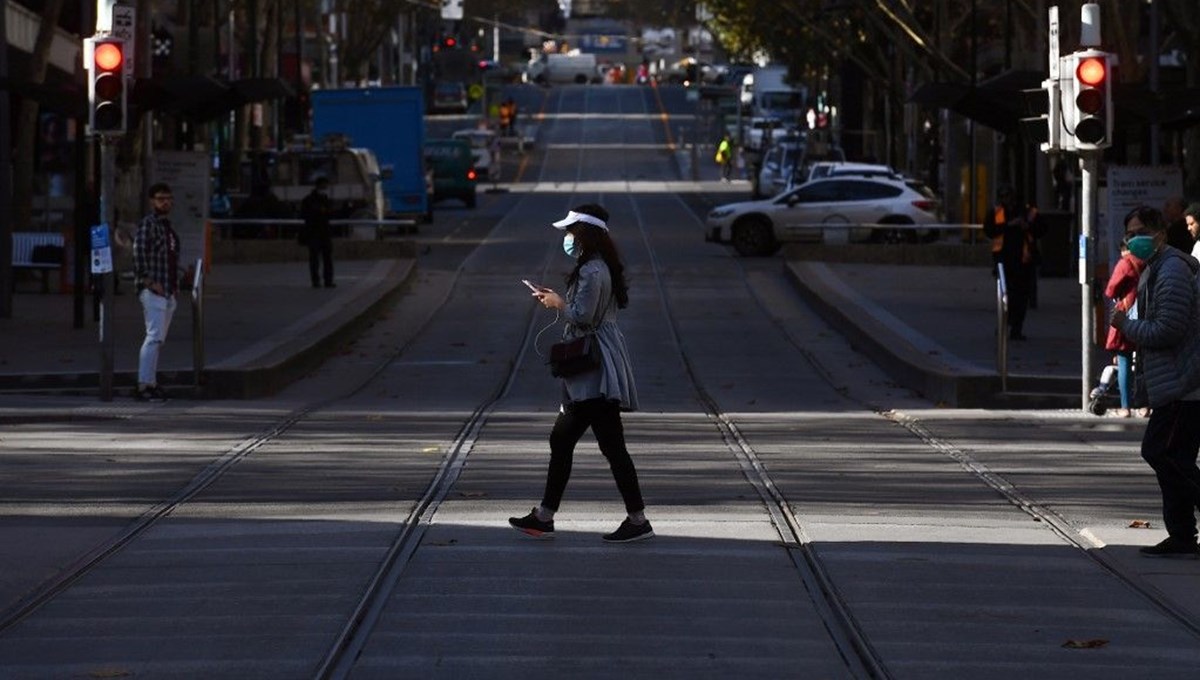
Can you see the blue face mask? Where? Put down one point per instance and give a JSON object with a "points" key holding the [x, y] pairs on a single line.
{"points": [[1142, 247], [569, 246]]}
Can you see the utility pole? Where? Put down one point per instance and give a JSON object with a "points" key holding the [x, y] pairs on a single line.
{"points": [[6, 225], [1080, 120]]}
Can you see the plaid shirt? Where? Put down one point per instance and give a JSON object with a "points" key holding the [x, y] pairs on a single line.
{"points": [[156, 253]]}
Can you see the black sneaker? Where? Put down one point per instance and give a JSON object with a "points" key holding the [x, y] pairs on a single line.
{"points": [[629, 532], [530, 525], [150, 393], [1172, 547]]}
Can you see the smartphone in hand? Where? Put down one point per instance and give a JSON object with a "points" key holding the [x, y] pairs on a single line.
{"points": [[536, 289]]}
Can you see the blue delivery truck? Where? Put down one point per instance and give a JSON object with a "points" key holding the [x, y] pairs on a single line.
{"points": [[390, 122]]}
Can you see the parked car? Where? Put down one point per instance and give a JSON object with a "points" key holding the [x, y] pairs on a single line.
{"points": [[449, 97], [759, 227], [483, 150], [454, 174]]}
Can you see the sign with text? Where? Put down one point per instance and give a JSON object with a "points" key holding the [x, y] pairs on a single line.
{"points": [[102, 261], [452, 9], [124, 26], [1130, 186], [187, 174]]}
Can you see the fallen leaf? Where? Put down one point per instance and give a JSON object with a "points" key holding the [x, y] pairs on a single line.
{"points": [[1139, 524], [1095, 643], [473, 494], [451, 541]]}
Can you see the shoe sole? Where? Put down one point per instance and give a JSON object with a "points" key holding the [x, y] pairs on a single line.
{"points": [[639, 537], [534, 533]]}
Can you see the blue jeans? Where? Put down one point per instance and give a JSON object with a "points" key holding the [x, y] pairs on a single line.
{"points": [[157, 312], [1124, 363], [1170, 446]]}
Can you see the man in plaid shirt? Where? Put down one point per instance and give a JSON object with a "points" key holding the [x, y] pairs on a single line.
{"points": [[156, 263]]}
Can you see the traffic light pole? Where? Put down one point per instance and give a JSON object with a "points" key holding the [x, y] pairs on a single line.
{"points": [[1089, 164], [106, 280]]}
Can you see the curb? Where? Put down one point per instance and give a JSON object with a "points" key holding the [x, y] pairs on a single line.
{"points": [[910, 358]]}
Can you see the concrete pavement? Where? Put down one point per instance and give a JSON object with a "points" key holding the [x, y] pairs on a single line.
{"points": [[263, 326]]}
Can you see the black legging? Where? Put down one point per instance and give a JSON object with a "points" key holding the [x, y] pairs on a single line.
{"points": [[604, 417]]}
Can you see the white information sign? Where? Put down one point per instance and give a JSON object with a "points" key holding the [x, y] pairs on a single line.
{"points": [[1130, 186], [452, 9], [124, 26], [187, 174]]}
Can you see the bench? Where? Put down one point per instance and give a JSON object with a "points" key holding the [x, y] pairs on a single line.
{"points": [[49, 257]]}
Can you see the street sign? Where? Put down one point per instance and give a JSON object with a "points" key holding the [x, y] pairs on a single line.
{"points": [[102, 262], [452, 9], [124, 26]]}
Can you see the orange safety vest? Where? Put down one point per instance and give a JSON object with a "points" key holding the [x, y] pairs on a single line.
{"points": [[998, 240]]}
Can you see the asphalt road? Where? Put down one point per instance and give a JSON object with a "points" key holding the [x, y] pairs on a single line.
{"points": [[813, 519]]}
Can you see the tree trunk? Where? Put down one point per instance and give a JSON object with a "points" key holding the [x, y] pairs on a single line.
{"points": [[26, 125]]}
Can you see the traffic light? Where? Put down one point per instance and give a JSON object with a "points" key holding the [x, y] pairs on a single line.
{"points": [[1093, 100], [106, 84]]}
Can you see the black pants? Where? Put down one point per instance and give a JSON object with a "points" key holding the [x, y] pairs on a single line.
{"points": [[604, 417], [1018, 280], [1170, 445], [322, 250]]}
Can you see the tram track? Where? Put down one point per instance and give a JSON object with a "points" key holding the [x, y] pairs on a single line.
{"points": [[857, 651], [439, 485]]}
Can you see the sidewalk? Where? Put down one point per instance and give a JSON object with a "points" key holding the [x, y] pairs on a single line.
{"points": [[933, 329], [264, 326]]}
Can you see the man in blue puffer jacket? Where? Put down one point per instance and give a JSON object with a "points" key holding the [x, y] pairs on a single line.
{"points": [[1167, 335]]}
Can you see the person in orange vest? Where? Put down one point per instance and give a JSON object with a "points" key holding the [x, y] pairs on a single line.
{"points": [[1014, 232], [508, 113]]}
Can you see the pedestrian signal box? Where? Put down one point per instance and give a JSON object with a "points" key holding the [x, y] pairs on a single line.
{"points": [[105, 63]]}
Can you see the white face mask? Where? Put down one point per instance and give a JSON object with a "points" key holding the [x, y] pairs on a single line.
{"points": [[569, 245]]}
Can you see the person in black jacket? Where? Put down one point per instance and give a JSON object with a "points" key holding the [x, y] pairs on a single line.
{"points": [[317, 209], [1015, 231]]}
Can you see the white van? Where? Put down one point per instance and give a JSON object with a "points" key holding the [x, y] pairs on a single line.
{"points": [[555, 68]]}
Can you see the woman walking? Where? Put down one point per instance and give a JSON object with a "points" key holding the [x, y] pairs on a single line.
{"points": [[594, 399]]}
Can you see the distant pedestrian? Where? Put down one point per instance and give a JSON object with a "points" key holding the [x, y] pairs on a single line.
{"points": [[508, 117], [1167, 335], [596, 288], [1191, 217], [317, 210], [156, 266], [1015, 229], [1177, 231], [724, 157], [1122, 290]]}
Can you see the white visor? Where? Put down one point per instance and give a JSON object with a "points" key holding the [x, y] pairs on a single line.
{"points": [[573, 217]]}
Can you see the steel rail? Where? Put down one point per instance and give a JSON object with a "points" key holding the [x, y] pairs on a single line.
{"points": [[339, 659], [855, 648]]}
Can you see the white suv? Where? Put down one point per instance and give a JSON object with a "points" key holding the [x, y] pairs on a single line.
{"points": [[830, 209]]}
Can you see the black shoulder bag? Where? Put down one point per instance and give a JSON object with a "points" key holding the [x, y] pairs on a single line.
{"points": [[576, 356]]}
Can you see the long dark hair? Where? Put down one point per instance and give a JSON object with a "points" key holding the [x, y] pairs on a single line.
{"points": [[593, 242]]}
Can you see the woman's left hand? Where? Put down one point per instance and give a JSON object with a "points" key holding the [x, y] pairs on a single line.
{"points": [[550, 299]]}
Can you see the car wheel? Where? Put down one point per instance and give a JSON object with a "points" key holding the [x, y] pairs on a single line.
{"points": [[580, 79], [753, 237], [894, 235]]}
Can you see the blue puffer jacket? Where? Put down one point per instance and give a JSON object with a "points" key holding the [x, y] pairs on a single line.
{"points": [[1167, 330]]}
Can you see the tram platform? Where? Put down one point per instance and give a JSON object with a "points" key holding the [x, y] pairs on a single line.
{"points": [[264, 325]]}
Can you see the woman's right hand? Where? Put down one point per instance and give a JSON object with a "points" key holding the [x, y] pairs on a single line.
{"points": [[550, 299]]}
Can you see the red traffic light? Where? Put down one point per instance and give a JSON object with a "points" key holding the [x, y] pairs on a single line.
{"points": [[1091, 71], [108, 57], [451, 42]]}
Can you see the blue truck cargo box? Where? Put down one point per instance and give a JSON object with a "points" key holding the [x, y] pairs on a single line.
{"points": [[390, 121]]}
